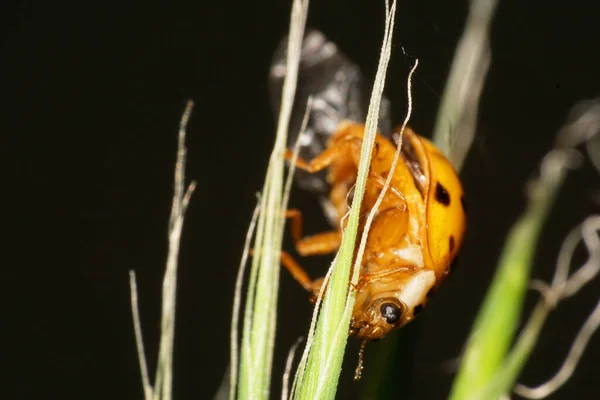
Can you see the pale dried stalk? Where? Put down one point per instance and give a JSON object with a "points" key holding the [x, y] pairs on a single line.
{"points": [[139, 339], [163, 388], [164, 373], [455, 126]]}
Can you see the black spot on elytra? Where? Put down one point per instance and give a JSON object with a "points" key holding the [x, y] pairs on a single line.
{"points": [[451, 243], [442, 195], [463, 202], [417, 309]]}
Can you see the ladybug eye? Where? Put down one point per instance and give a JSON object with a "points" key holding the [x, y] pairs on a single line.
{"points": [[391, 313]]}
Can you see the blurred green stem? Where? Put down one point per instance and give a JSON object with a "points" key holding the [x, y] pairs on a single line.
{"points": [[498, 318]]}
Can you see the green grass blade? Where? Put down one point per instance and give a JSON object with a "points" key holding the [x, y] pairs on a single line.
{"points": [[501, 370], [319, 371], [259, 326]]}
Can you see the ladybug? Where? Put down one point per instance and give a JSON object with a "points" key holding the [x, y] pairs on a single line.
{"points": [[419, 227], [415, 236]]}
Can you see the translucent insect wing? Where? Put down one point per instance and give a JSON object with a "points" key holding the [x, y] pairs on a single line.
{"points": [[339, 93]]}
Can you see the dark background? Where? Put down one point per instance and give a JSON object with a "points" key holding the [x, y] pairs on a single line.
{"points": [[92, 100]]}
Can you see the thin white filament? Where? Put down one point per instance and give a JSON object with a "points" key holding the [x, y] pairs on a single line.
{"points": [[288, 370], [311, 330], [563, 287], [566, 371], [235, 318]]}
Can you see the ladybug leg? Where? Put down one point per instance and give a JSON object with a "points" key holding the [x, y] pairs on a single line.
{"points": [[327, 156], [321, 243], [346, 142], [295, 217], [298, 273]]}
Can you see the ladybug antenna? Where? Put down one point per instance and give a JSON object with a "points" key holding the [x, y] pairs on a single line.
{"points": [[359, 367]]}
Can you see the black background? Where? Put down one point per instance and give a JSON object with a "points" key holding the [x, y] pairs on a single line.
{"points": [[92, 100]]}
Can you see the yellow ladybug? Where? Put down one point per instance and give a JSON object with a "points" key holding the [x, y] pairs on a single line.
{"points": [[416, 234]]}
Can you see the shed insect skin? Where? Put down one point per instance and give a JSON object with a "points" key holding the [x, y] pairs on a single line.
{"points": [[416, 234]]}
